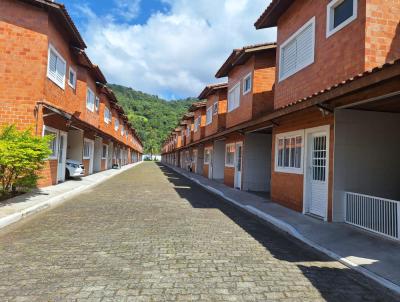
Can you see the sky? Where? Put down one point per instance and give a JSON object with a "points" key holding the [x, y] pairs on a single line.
{"points": [[170, 48]]}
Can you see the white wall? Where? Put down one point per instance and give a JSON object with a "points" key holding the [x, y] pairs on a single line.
{"points": [[218, 160], [366, 157], [257, 162], [75, 145]]}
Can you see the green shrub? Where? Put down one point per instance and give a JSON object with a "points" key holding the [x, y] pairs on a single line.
{"points": [[22, 155]]}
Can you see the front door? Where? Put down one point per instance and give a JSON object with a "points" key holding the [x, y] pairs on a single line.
{"points": [[238, 165], [62, 156], [317, 176], [210, 165]]}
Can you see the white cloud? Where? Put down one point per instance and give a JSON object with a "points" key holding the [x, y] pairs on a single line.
{"points": [[174, 53]]}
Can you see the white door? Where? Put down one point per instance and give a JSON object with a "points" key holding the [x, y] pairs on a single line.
{"points": [[91, 155], [62, 156], [238, 165], [210, 165], [317, 174]]}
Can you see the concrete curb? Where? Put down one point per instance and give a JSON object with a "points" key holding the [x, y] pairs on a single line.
{"points": [[51, 202], [287, 228]]}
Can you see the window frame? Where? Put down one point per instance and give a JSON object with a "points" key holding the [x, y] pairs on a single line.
{"points": [[97, 103], [49, 76], [116, 124], [236, 86], [102, 151], [91, 108], [289, 135], [250, 77], [215, 108], [210, 120], [89, 141], [230, 165], [330, 10], [56, 133], [288, 41], [107, 115], [72, 70], [207, 162]]}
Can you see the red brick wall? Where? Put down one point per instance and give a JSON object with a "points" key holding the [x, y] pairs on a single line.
{"points": [[337, 57], [263, 83], [23, 61], [287, 188], [382, 32]]}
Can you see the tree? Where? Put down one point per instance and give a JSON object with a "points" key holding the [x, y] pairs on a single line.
{"points": [[22, 155]]}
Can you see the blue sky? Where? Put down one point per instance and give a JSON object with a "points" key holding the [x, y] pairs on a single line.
{"points": [[171, 48]]}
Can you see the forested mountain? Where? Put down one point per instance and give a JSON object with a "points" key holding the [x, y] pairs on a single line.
{"points": [[152, 117]]}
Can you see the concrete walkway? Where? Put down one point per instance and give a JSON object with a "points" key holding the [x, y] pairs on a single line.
{"points": [[22, 206], [373, 256]]}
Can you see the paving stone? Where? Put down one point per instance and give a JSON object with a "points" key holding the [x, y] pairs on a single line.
{"points": [[150, 235]]}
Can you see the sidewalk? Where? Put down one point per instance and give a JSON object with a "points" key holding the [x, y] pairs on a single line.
{"points": [[22, 206], [373, 256]]}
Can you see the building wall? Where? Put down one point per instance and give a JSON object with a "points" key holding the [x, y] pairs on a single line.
{"points": [[382, 32], [263, 83], [337, 57], [199, 134], [23, 61], [219, 121], [244, 111], [291, 196], [367, 145]]}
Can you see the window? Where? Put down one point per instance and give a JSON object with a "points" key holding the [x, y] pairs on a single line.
{"points": [[234, 98], [247, 84], [209, 115], [188, 131], [116, 124], [289, 151], [298, 51], [56, 67], [107, 115], [87, 149], [122, 129], [207, 155], [72, 78], [104, 153], [215, 108], [229, 155], [97, 104], [339, 14], [90, 99], [53, 142], [197, 123]]}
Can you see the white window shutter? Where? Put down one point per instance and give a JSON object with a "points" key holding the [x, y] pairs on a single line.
{"points": [[305, 46], [53, 64], [60, 72], [288, 62]]}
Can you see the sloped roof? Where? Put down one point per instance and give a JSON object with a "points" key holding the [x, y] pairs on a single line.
{"points": [[240, 56], [61, 14], [211, 88], [270, 16], [197, 105]]}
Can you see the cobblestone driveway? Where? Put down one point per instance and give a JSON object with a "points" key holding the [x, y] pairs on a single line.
{"points": [[149, 235]]}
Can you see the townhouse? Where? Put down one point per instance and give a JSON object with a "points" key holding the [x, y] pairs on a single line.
{"points": [[325, 132], [50, 85]]}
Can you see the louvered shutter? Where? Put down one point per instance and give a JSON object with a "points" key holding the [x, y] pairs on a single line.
{"points": [[305, 46], [61, 68], [52, 68], [288, 61]]}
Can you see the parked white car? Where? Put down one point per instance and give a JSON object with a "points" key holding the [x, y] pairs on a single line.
{"points": [[74, 169]]}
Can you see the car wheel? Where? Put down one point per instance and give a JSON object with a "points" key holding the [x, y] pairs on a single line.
{"points": [[67, 174]]}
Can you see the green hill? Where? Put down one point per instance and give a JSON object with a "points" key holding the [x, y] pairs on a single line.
{"points": [[152, 117]]}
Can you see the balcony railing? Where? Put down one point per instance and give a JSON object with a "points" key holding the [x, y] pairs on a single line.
{"points": [[375, 214]]}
